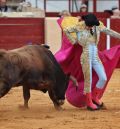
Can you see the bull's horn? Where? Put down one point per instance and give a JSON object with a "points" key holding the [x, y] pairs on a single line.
{"points": [[46, 46], [74, 80]]}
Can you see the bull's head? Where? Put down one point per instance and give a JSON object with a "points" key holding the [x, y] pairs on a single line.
{"points": [[62, 89]]}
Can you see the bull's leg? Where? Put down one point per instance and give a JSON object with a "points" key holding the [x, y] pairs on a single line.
{"points": [[26, 96], [54, 100]]}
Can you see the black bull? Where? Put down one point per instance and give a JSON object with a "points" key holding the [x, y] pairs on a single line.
{"points": [[33, 67]]}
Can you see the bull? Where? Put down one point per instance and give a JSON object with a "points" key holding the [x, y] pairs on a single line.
{"points": [[33, 67]]}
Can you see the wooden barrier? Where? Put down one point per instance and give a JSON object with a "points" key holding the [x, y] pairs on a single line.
{"points": [[98, 14], [16, 32], [115, 25], [102, 42]]}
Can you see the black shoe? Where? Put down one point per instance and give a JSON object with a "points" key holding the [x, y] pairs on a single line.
{"points": [[100, 106], [91, 109]]}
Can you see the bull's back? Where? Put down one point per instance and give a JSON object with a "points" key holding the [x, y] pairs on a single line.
{"points": [[31, 55]]}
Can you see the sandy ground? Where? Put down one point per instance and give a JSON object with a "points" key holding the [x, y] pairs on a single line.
{"points": [[42, 115]]}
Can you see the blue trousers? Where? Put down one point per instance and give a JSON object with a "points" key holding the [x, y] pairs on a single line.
{"points": [[97, 65]]}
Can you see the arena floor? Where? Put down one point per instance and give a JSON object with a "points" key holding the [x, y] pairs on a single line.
{"points": [[42, 115]]}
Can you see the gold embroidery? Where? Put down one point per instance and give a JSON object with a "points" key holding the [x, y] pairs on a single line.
{"points": [[69, 23]]}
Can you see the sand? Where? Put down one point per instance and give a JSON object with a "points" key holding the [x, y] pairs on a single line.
{"points": [[42, 115]]}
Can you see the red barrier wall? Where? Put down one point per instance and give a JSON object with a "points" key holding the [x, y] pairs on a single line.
{"points": [[16, 32], [102, 42], [115, 25], [98, 14]]}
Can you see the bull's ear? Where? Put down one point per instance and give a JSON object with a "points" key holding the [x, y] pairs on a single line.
{"points": [[14, 58], [2, 52]]}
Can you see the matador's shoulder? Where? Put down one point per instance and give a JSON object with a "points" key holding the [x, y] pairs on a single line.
{"points": [[81, 25], [69, 22]]}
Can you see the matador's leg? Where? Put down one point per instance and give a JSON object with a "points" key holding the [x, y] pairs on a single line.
{"points": [[99, 69], [87, 71]]}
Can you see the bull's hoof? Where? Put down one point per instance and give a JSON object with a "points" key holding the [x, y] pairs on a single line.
{"points": [[22, 107], [58, 108], [61, 102]]}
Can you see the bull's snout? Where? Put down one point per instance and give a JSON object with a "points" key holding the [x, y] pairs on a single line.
{"points": [[61, 102]]}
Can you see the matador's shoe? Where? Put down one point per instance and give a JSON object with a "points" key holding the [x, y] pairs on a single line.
{"points": [[95, 98], [90, 105]]}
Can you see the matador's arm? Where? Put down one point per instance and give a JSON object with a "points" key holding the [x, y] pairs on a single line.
{"points": [[73, 40], [70, 33], [109, 31]]}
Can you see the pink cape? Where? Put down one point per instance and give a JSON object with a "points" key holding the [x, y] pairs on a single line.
{"points": [[69, 58]]}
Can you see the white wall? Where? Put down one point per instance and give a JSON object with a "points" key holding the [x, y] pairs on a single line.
{"points": [[53, 34]]}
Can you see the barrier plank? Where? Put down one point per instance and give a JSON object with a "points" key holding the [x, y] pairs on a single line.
{"points": [[16, 32], [115, 25]]}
